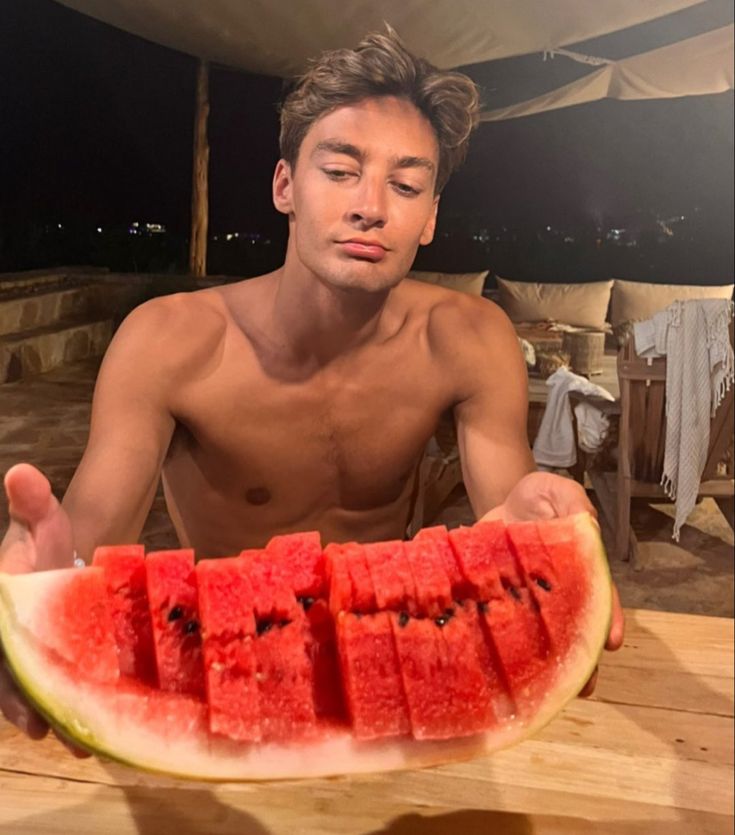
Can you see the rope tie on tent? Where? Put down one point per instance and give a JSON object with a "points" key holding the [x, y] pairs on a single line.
{"points": [[577, 56]]}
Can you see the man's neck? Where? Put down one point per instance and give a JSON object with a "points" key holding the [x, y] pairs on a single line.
{"points": [[318, 322]]}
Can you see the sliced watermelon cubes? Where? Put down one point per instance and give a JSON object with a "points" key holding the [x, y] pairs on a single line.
{"points": [[444, 636]]}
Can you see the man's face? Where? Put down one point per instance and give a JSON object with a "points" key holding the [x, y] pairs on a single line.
{"points": [[361, 198]]}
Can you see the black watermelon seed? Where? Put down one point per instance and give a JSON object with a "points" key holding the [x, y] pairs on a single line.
{"points": [[403, 618], [514, 593], [483, 607], [545, 584], [176, 613], [263, 626], [190, 627], [282, 623], [306, 602]]}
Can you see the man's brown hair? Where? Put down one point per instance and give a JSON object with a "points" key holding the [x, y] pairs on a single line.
{"points": [[380, 65]]}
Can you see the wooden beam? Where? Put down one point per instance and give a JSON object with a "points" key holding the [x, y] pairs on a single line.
{"points": [[200, 178]]}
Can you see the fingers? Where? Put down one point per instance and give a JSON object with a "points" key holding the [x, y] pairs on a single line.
{"points": [[617, 624], [589, 688], [79, 753], [17, 711]]}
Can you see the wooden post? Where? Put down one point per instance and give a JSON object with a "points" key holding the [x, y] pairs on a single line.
{"points": [[199, 185]]}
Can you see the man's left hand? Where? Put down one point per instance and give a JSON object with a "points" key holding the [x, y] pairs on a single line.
{"points": [[547, 496]]}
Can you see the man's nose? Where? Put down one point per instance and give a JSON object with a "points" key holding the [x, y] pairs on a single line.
{"points": [[369, 207]]}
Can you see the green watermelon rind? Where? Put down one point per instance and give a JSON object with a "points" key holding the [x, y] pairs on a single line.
{"points": [[79, 714]]}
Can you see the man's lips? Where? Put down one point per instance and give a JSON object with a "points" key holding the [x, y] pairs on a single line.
{"points": [[363, 249]]}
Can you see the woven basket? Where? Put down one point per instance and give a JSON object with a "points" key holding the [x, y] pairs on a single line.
{"points": [[547, 363], [586, 350]]}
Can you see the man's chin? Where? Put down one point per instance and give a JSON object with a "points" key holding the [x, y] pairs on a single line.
{"points": [[364, 277]]}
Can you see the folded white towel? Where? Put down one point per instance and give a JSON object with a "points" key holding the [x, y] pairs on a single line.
{"points": [[555, 444]]}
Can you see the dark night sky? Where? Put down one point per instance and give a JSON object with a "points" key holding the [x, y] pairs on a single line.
{"points": [[96, 126]]}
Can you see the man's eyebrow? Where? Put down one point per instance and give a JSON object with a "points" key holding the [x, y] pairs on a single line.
{"points": [[415, 162], [336, 146]]}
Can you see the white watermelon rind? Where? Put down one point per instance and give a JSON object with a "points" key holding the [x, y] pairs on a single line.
{"points": [[90, 716]]}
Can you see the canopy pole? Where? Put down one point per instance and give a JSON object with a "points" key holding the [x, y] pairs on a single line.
{"points": [[200, 179]]}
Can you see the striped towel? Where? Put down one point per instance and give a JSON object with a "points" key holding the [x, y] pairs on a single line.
{"points": [[695, 338]]}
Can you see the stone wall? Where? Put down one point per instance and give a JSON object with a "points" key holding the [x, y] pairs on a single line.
{"points": [[54, 317]]}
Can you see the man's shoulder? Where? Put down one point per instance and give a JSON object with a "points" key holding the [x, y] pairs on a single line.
{"points": [[172, 330], [450, 313]]}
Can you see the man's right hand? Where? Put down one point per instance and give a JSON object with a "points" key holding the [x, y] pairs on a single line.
{"points": [[38, 538]]}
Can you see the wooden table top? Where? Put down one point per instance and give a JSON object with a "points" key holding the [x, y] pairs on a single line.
{"points": [[650, 753]]}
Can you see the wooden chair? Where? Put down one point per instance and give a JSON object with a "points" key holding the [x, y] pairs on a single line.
{"points": [[641, 446]]}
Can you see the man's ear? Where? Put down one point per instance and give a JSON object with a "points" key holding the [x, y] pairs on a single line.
{"points": [[283, 187], [427, 236]]}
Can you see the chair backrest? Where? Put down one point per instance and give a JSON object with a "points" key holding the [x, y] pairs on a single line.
{"points": [[643, 412]]}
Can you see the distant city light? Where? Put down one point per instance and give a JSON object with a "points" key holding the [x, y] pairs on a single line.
{"points": [[99, 229], [137, 228]]}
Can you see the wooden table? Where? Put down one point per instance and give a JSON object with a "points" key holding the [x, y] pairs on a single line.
{"points": [[650, 754], [538, 391]]}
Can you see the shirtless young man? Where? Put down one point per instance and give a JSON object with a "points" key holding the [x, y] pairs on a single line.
{"points": [[304, 399]]}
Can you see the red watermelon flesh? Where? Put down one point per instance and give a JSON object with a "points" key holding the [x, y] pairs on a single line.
{"points": [[439, 536], [370, 675], [391, 575], [172, 599], [432, 584], [426, 675], [228, 634], [300, 559], [285, 680], [285, 673], [125, 579], [473, 683], [429, 677], [513, 627], [474, 556], [274, 599], [76, 627], [350, 578], [299, 562], [338, 575], [321, 647], [543, 553], [365, 640]]}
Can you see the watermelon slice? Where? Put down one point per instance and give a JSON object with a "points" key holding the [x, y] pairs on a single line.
{"points": [[172, 600], [461, 667], [284, 673], [226, 607], [125, 577], [376, 703]]}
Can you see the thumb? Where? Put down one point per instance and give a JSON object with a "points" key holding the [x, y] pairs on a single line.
{"points": [[39, 534], [29, 495]]}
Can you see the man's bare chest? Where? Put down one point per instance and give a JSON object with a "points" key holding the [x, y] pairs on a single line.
{"points": [[347, 439]]}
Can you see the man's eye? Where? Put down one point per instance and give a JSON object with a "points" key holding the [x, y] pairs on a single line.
{"points": [[337, 173], [404, 188]]}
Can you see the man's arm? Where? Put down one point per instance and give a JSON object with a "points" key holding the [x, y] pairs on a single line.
{"points": [[112, 490], [492, 411], [497, 464], [131, 427]]}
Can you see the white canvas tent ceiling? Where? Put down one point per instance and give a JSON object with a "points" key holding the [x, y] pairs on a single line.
{"points": [[692, 67], [277, 37]]}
